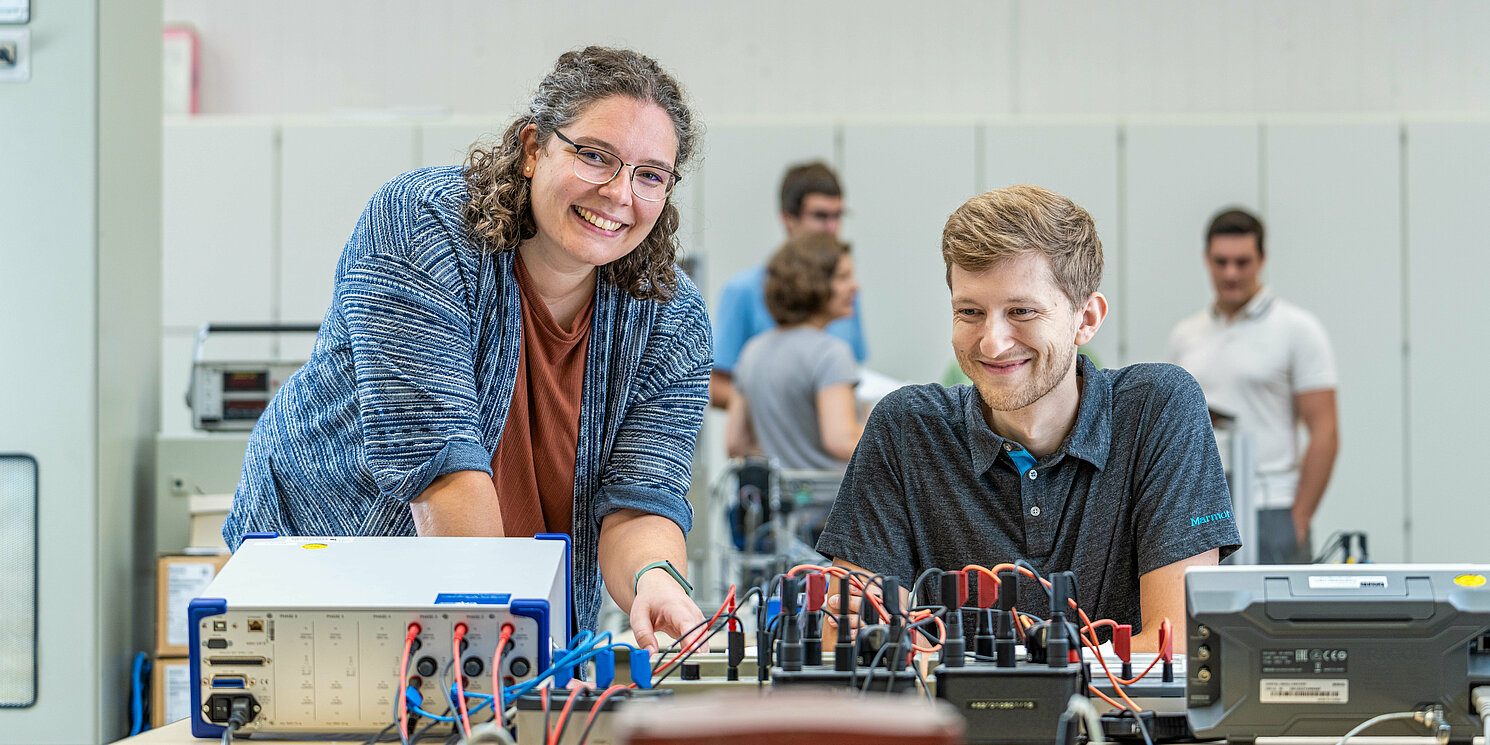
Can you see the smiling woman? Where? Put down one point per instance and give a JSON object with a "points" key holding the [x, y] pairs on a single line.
{"points": [[510, 350]]}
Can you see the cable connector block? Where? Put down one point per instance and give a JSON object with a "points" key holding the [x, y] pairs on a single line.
{"points": [[641, 668], [1122, 646], [605, 668], [988, 592], [1122, 642], [817, 591]]}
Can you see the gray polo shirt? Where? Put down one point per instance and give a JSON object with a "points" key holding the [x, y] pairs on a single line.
{"points": [[1135, 486]]}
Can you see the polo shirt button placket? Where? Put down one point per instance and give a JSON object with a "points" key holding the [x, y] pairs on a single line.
{"points": [[1033, 474]]}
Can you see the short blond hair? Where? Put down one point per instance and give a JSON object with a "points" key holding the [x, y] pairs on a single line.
{"points": [[1019, 220]]}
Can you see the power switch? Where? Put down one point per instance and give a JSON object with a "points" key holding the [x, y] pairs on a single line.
{"points": [[220, 708]]}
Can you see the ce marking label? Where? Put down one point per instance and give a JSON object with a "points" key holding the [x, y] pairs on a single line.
{"points": [[1305, 660]]}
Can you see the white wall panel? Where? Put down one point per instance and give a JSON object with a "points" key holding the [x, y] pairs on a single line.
{"points": [[219, 217], [780, 58], [1177, 176], [1089, 56], [329, 171], [738, 220], [1333, 212], [446, 143], [902, 181], [1079, 161], [1448, 186], [776, 58]]}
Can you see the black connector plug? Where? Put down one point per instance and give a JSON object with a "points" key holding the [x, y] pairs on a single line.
{"points": [[240, 711], [896, 655], [1057, 645], [843, 650], [986, 592], [812, 635], [812, 638], [762, 636], [954, 646], [1004, 639], [791, 651], [735, 654]]}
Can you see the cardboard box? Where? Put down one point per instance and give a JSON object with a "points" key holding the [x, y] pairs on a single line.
{"points": [[178, 580], [170, 691]]}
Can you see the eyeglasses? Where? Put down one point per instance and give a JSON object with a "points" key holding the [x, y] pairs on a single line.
{"points": [[822, 216], [597, 166]]}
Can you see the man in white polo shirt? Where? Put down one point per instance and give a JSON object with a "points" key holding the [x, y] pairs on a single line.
{"points": [[1268, 363]]}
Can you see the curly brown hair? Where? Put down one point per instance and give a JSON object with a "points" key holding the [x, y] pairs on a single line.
{"points": [[799, 277], [499, 211]]}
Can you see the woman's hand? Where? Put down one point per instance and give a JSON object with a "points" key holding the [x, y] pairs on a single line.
{"points": [[662, 605]]}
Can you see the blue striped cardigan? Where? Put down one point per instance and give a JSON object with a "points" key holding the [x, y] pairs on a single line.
{"points": [[412, 377]]}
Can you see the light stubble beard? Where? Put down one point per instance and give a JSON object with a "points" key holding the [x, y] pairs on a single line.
{"points": [[1045, 378]]}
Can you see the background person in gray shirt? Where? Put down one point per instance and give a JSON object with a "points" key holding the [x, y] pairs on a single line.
{"points": [[793, 398], [1112, 474]]}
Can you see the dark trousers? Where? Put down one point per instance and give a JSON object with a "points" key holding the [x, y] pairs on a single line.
{"points": [[1276, 541]]}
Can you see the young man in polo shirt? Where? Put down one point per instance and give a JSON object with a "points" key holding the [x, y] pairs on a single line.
{"points": [[1112, 474], [1268, 363]]}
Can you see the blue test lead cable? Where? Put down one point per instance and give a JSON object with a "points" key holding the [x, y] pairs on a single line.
{"points": [[562, 669], [137, 694]]}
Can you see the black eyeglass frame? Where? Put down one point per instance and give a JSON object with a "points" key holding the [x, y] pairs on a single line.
{"points": [[631, 181]]}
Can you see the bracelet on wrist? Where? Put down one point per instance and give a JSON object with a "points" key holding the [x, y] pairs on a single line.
{"points": [[666, 566]]}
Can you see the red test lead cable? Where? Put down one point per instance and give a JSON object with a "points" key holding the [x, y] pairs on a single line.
{"points": [[496, 673], [558, 730], [403, 683], [460, 674]]}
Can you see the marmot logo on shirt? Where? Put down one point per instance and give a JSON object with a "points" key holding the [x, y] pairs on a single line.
{"points": [[1202, 520]]}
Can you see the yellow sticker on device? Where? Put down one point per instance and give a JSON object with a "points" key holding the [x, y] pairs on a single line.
{"points": [[315, 545], [1470, 580]]}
